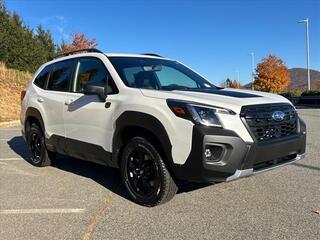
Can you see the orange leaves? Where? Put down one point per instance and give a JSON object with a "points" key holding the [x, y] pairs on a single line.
{"points": [[235, 84], [232, 84], [79, 42], [272, 75]]}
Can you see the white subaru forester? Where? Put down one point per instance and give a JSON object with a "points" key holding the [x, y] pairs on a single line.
{"points": [[157, 120]]}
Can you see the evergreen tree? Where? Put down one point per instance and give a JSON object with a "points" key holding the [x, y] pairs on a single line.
{"points": [[2, 6], [44, 38], [20, 47]]}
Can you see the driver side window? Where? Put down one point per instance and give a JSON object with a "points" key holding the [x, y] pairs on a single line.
{"points": [[93, 71]]}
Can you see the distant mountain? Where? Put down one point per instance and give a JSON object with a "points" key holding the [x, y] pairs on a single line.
{"points": [[299, 80]]}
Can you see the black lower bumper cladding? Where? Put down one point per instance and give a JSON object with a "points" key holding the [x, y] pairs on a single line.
{"points": [[239, 158]]}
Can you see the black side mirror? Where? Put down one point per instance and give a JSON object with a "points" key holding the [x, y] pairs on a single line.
{"points": [[100, 91]]}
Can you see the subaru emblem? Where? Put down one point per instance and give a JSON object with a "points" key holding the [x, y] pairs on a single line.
{"points": [[278, 116]]}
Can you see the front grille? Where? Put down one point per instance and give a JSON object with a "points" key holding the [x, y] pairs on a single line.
{"points": [[263, 127]]}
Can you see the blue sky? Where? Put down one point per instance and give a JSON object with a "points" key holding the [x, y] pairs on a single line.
{"points": [[213, 37]]}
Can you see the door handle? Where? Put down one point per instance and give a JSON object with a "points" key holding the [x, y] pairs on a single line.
{"points": [[68, 102], [40, 100]]}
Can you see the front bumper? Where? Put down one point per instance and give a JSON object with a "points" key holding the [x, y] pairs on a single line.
{"points": [[239, 159], [251, 171]]}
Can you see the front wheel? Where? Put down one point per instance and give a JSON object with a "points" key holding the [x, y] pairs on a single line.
{"points": [[145, 174]]}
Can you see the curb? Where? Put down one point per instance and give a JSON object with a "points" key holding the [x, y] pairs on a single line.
{"points": [[10, 124]]}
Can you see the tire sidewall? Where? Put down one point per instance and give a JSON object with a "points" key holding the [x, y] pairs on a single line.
{"points": [[35, 129], [132, 144]]}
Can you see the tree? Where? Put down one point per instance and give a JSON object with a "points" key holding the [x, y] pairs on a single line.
{"points": [[271, 75], [232, 84], [46, 42], [2, 6], [20, 47], [79, 42], [235, 84], [227, 83]]}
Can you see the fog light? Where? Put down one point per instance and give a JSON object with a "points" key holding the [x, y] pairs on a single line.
{"points": [[213, 152], [207, 153]]}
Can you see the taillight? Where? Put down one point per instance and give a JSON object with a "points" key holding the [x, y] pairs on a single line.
{"points": [[22, 94]]}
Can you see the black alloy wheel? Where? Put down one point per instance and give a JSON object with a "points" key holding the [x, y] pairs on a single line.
{"points": [[36, 147], [142, 172], [40, 156], [145, 174]]}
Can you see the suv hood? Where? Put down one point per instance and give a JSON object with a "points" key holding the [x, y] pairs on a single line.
{"points": [[229, 98]]}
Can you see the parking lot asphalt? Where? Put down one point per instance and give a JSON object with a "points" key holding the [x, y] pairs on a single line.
{"points": [[74, 199]]}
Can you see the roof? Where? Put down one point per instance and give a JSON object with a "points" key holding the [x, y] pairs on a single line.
{"points": [[94, 53], [132, 55]]}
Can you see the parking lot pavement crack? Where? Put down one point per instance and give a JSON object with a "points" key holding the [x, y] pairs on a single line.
{"points": [[98, 216]]}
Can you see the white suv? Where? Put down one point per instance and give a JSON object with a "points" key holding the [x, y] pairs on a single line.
{"points": [[157, 120]]}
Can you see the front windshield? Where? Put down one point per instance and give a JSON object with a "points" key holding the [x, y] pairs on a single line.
{"points": [[159, 74]]}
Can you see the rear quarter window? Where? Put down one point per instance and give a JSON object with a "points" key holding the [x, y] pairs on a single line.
{"points": [[42, 77]]}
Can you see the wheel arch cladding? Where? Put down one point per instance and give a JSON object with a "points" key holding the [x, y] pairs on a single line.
{"points": [[33, 116], [130, 124]]}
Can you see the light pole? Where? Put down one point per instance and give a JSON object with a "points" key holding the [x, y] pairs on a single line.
{"points": [[252, 61], [306, 21]]}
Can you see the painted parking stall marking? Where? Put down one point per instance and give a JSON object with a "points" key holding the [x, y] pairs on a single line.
{"points": [[41, 211], [11, 159]]}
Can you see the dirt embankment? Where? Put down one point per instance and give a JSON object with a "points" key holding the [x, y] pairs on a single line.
{"points": [[12, 82]]}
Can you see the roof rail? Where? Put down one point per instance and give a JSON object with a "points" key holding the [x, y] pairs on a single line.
{"points": [[88, 50], [151, 54]]}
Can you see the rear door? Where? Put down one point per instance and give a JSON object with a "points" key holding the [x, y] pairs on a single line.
{"points": [[88, 120], [53, 100]]}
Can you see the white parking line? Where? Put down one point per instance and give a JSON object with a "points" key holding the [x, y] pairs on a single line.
{"points": [[40, 211], [10, 159], [5, 139], [10, 129]]}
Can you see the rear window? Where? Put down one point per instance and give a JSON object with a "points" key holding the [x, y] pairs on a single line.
{"points": [[61, 76], [42, 77]]}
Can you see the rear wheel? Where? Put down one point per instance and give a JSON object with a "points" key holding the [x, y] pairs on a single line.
{"points": [[145, 175], [40, 156]]}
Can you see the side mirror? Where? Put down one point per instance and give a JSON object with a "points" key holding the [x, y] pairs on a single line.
{"points": [[100, 91]]}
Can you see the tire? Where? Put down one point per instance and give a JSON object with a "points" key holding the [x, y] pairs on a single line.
{"points": [[145, 175], [40, 156]]}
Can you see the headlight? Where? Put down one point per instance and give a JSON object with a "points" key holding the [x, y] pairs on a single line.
{"points": [[199, 114]]}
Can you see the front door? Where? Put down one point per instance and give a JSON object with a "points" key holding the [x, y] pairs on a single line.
{"points": [[87, 119]]}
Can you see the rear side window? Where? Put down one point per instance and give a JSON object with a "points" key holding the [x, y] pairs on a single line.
{"points": [[42, 77], [93, 72], [61, 76]]}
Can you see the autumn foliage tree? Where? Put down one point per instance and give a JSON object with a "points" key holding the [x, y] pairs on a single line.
{"points": [[271, 75], [79, 41], [231, 84], [235, 84]]}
